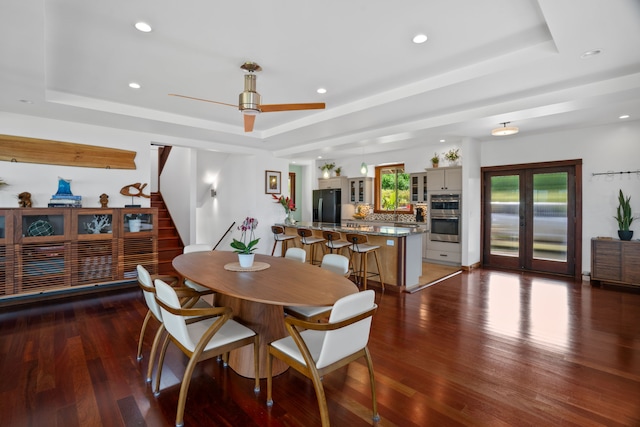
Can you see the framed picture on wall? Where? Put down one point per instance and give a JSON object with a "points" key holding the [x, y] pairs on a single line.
{"points": [[272, 182]]}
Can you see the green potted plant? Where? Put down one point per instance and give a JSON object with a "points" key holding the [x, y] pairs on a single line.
{"points": [[624, 217], [435, 160], [452, 155], [326, 169], [338, 170]]}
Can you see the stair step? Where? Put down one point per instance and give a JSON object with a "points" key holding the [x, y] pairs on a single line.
{"points": [[167, 232]]}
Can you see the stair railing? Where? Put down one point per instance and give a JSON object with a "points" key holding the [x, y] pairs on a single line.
{"points": [[224, 235]]}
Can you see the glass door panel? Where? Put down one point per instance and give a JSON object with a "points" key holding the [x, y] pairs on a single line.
{"points": [[550, 216], [505, 216]]}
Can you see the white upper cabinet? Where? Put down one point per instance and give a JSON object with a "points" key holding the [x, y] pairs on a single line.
{"points": [[444, 179]]}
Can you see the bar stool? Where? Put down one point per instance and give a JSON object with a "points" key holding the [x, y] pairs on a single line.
{"points": [[361, 248], [334, 241], [279, 236], [307, 239]]}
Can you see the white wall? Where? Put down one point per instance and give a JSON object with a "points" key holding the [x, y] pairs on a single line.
{"points": [[42, 180], [602, 149]]}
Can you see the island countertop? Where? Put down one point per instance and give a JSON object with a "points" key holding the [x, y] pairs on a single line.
{"points": [[372, 230]]}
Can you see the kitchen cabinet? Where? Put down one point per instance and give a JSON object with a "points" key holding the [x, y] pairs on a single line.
{"points": [[333, 183], [615, 262], [449, 178], [50, 249], [360, 190], [444, 252], [418, 187]]}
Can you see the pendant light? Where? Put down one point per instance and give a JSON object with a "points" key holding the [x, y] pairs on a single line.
{"points": [[505, 130], [363, 167]]}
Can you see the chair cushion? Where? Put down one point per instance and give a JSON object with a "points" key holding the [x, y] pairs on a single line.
{"points": [[309, 311], [281, 237], [364, 248], [312, 240], [231, 331], [195, 286], [337, 244], [313, 339]]}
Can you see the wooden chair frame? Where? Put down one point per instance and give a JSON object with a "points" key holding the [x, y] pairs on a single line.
{"points": [[309, 369], [224, 314], [188, 297]]}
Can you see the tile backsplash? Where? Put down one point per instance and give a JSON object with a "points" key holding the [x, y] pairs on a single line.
{"points": [[369, 215]]}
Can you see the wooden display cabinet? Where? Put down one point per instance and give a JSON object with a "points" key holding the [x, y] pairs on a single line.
{"points": [[49, 249], [6, 252], [615, 262]]}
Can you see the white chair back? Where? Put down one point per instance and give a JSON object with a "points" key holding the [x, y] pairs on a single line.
{"points": [[175, 325], [343, 342], [145, 278], [198, 247], [297, 254], [339, 264]]}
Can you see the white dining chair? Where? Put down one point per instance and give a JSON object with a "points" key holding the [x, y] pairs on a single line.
{"points": [[296, 254], [196, 247], [189, 298], [339, 264], [316, 349], [216, 334]]}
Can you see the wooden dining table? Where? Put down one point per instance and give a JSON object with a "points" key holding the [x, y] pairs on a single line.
{"points": [[257, 298]]}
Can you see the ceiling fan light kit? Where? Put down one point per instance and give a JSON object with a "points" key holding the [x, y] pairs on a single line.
{"points": [[249, 100], [505, 130]]}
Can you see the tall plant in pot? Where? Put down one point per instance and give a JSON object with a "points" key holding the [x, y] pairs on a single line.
{"points": [[624, 217]]}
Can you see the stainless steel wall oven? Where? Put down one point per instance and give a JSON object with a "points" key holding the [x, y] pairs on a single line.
{"points": [[444, 214]]}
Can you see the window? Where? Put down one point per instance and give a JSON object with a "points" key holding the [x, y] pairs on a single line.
{"points": [[392, 193]]}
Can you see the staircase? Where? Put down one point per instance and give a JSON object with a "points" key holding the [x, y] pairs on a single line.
{"points": [[169, 243]]}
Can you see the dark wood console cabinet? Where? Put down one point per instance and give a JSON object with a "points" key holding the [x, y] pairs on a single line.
{"points": [[53, 249], [615, 262]]}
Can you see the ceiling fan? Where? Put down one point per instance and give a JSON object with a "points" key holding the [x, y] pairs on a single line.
{"points": [[249, 100]]}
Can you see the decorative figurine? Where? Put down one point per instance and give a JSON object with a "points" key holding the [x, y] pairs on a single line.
{"points": [[104, 200], [24, 199], [126, 191]]}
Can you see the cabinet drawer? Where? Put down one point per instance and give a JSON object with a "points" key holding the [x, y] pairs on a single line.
{"points": [[436, 255]]}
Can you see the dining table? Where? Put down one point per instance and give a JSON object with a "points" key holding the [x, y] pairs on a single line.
{"points": [[257, 295]]}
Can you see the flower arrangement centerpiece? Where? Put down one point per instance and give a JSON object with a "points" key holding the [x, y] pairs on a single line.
{"points": [[453, 155], [241, 247], [288, 205]]}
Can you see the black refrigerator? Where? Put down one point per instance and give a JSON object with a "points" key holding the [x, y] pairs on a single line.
{"points": [[327, 205]]}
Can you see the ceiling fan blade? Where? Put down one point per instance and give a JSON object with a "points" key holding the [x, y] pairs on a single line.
{"points": [[268, 108], [249, 120], [205, 100]]}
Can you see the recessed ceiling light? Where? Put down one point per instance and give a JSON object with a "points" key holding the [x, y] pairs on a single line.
{"points": [[591, 53], [443, 140], [134, 85], [26, 101], [319, 157], [321, 90], [624, 116], [419, 38], [143, 26]]}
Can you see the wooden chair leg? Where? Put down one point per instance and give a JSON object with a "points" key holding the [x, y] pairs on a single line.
{"points": [[256, 363], [375, 254], [275, 242], [269, 378], [142, 330], [184, 389], [322, 399], [163, 352], [154, 350], [365, 271], [374, 401]]}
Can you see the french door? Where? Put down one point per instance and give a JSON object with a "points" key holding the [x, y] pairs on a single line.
{"points": [[530, 219]]}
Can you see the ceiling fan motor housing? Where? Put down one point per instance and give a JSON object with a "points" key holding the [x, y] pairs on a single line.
{"points": [[249, 100]]}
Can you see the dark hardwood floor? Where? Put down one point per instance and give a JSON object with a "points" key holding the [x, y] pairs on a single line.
{"points": [[486, 348]]}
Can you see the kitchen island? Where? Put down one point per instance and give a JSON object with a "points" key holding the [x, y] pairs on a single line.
{"points": [[400, 248]]}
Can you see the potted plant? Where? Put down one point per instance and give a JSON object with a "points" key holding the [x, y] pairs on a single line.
{"points": [[241, 247], [327, 168], [435, 160], [135, 222], [624, 217], [452, 155], [338, 170]]}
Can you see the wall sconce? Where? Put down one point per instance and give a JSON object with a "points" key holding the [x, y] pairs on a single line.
{"points": [[213, 193]]}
